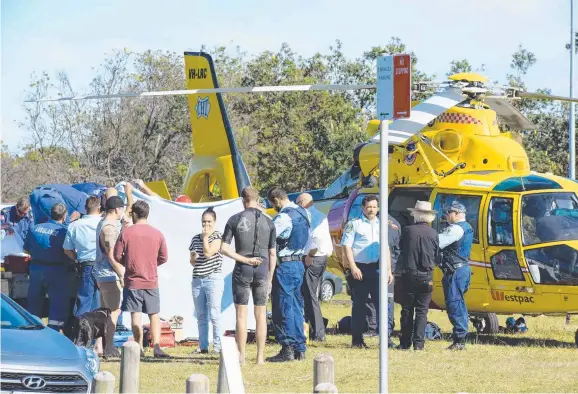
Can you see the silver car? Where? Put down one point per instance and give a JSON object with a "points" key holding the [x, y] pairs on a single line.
{"points": [[38, 359]]}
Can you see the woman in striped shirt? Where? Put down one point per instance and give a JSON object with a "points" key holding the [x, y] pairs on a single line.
{"points": [[208, 284]]}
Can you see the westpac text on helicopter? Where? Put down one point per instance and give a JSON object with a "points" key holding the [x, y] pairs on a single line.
{"points": [[501, 296]]}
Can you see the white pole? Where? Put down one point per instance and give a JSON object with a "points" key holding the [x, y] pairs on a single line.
{"points": [[572, 142], [383, 251]]}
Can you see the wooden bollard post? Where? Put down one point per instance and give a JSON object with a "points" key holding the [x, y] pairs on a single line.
{"points": [[325, 388], [323, 369], [103, 383], [129, 367], [197, 383]]}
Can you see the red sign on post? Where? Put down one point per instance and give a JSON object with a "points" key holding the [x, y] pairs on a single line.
{"points": [[401, 86]]}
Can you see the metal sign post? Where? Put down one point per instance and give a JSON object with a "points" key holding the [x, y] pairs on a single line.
{"points": [[572, 120], [393, 102]]}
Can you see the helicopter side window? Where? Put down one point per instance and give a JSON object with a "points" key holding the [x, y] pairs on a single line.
{"points": [[500, 224], [553, 265], [472, 204], [505, 266]]}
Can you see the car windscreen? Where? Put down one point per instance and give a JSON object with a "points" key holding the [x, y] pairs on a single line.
{"points": [[12, 318], [549, 217]]}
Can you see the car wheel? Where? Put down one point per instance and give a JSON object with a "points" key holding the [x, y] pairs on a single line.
{"points": [[326, 292]]}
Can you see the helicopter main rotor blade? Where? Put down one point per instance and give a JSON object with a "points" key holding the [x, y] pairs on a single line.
{"points": [[546, 96], [401, 130], [249, 89], [508, 114]]}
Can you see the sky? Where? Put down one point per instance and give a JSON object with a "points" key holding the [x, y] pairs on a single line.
{"points": [[73, 36]]}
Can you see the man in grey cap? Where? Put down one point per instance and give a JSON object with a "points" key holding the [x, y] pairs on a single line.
{"points": [[456, 244]]}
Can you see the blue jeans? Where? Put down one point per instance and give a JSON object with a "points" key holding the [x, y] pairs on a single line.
{"points": [[87, 298], [53, 280], [390, 309], [287, 305], [455, 287], [207, 293]]}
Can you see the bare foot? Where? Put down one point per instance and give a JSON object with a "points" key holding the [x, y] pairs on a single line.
{"points": [[260, 362], [241, 360], [158, 352]]}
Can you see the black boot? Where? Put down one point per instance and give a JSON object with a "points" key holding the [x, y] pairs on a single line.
{"points": [[299, 356], [459, 344], [286, 354], [359, 344]]}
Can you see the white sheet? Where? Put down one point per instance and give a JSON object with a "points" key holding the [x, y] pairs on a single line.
{"points": [[179, 222]]}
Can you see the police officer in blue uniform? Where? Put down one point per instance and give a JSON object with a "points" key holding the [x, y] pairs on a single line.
{"points": [[44, 197], [49, 268], [456, 244], [17, 218], [361, 243], [80, 245], [292, 226]]}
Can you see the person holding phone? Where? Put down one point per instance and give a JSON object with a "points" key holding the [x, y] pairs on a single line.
{"points": [[208, 284]]}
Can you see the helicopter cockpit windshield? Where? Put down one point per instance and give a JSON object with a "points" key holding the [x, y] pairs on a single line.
{"points": [[551, 217], [344, 184]]}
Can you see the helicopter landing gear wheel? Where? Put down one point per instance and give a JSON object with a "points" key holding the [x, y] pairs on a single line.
{"points": [[486, 323]]}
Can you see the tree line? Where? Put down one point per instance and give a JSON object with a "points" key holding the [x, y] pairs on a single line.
{"points": [[296, 140]]}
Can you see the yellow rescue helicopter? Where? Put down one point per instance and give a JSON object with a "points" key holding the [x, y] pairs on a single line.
{"points": [[525, 253]]}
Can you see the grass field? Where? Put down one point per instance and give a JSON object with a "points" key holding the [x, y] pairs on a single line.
{"points": [[543, 360]]}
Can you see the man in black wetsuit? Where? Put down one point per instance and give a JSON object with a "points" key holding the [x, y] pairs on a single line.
{"points": [[255, 256]]}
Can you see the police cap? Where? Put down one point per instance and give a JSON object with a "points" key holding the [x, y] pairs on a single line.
{"points": [[456, 207]]}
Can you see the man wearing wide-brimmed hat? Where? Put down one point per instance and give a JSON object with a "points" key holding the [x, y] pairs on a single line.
{"points": [[419, 251]]}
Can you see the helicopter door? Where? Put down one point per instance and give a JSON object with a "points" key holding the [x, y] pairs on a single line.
{"points": [[508, 284], [402, 198], [473, 203]]}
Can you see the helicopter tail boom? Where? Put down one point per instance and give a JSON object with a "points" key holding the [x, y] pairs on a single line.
{"points": [[216, 154]]}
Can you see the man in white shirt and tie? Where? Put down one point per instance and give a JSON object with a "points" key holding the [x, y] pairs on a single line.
{"points": [[317, 250]]}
